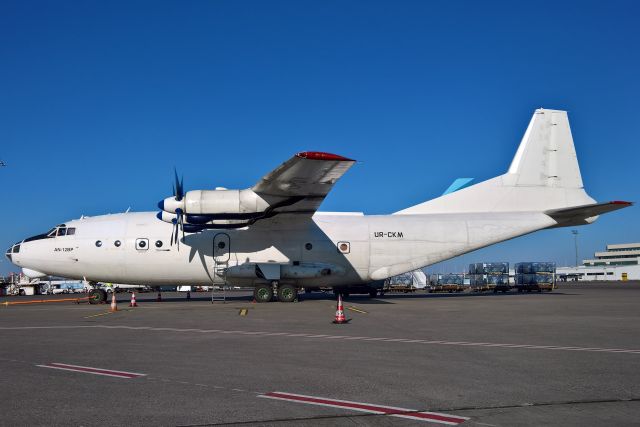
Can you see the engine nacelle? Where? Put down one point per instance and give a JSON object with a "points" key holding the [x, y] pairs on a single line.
{"points": [[218, 204]]}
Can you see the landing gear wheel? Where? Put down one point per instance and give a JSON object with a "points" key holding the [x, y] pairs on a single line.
{"points": [[263, 293], [287, 293], [97, 296], [373, 293]]}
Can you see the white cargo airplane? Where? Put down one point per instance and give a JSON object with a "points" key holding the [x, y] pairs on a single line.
{"points": [[270, 236]]}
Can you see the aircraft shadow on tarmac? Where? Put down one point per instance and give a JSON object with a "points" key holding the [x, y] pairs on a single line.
{"points": [[318, 296]]}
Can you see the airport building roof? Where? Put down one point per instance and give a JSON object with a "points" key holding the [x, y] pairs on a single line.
{"points": [[616, 254]]}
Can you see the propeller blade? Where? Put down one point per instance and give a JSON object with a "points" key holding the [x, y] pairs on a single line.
{"points": [[178, 188]]}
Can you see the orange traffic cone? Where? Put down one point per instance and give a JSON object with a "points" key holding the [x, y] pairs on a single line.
{"points": [[340, 319], [133, 300], [114, 303]]}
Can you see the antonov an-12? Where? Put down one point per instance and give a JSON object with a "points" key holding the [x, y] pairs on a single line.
{"points": [[270, 236]]}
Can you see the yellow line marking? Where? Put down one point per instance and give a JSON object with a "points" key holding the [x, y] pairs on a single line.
{"points": [[356, 309], [99, 314], [243, 312]]}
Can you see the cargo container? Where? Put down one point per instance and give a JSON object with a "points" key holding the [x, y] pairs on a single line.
{"points": [[535, 276], [406, 282], [489, 276], [449, 283]]}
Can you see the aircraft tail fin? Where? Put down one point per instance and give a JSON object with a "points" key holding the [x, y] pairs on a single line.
{"points": [[546, 155], [544, 175]]}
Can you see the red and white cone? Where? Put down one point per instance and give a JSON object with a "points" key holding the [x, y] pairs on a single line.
{"points": [[340, 319], [114, 303], [133, 300]]}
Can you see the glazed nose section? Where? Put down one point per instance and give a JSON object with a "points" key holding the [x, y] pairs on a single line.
{"points": [[13, 250]]}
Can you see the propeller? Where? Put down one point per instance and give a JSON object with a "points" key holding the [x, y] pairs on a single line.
{"points": [[178, 222], [178, 187]]}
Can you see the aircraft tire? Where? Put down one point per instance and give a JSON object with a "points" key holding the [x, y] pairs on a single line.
{"points": [[287, 293], [263, 293], [97, 296], [373, 293]]}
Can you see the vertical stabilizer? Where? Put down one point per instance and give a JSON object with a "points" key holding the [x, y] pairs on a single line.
{"points": [[546, 155], [544, 174]]}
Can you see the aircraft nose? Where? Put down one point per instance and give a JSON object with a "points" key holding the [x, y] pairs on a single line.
{"points": [[12, 250]]}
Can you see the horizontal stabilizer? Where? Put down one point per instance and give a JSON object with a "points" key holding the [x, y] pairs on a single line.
{"points": [[579, 215]]}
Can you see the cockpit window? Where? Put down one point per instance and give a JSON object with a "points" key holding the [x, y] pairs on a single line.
{"points": [[58, 230], [16, 248]]}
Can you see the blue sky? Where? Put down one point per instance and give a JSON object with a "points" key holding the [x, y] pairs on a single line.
{"points": [[100, 100]]}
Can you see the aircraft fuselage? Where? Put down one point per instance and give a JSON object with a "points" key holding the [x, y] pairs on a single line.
{"points": [[323, 250]]}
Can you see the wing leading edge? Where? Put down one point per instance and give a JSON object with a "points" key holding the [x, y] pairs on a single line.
{"points": [[301, 183]]}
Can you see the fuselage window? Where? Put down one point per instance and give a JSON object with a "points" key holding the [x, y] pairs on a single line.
{"points": [[158, 243], [98, 243], [117, 243], [142, 244]]}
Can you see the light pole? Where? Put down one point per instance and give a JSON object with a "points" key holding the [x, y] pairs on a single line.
{"points": [[575, 243]]}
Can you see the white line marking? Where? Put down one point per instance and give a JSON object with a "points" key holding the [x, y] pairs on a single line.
{"points": [[92, 371], [434, 417], [340, 337]]}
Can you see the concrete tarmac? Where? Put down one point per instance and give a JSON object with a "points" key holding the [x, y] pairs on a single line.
{"points": [[570, 357]]}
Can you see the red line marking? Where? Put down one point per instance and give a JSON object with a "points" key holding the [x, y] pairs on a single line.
{"points": [[89, 370], [366, 407]]}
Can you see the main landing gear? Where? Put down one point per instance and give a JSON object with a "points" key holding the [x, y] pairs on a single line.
{"points": [[285, 293]]}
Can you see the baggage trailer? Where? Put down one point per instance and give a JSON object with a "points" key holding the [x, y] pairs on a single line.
{"points": [[406, 282], [449, 283], [489, 276], [535, 276]]}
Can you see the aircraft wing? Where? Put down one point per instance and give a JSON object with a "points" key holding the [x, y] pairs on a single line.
{"points": [[580, 214], [301, 183]]}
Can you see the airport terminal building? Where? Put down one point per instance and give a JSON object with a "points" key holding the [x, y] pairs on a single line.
{"points": [[618, 262]]}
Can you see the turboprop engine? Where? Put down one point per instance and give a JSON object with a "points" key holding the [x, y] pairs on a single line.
{"points": [[197, 210], [203, 206]]}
